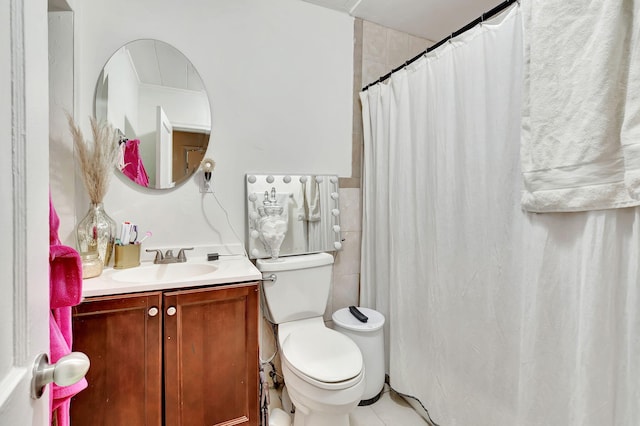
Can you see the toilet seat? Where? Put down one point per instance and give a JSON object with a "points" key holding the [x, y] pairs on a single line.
{"points": [[323, 357]]}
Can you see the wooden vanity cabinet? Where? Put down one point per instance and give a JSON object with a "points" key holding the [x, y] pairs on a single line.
{"points": [[211, 357], [124, 344], [193, 362]]}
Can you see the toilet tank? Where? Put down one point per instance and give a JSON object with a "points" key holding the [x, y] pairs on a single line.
{"points": [[301, 288]]}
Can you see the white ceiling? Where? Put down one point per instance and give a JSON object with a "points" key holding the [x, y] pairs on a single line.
{"points": [[160, 64], [430, 19]]}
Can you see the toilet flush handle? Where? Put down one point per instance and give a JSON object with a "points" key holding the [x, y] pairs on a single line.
{"points": [[273, 278]]}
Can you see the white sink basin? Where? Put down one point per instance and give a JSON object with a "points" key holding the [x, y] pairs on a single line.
{"points": [[196, 272], [161, 273]]}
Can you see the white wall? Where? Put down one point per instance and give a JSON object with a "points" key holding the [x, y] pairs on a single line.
{"points": [[279, 75], [122, 93], [186, 109], [61, 98]]}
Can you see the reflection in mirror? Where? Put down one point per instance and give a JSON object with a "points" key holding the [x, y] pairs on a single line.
{"points": [[292, 214], [154, 96]]}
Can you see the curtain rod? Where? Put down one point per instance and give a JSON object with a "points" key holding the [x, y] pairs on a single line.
{"points": [[487, 15]]}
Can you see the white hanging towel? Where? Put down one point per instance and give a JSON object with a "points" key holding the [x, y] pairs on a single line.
{"points": [[581, 114]]}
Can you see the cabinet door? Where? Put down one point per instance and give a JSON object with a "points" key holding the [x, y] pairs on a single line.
{"points": [[211, 356], [122, 337]]}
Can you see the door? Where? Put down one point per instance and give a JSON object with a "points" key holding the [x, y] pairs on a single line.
{"points": [[24, 211], [211, 356], [164, 150], [188, 152]]}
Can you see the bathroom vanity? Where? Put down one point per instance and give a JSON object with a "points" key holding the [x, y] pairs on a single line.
{"points": [[184, 353]]}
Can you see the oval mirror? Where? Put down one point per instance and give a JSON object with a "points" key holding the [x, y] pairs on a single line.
{"points": [[153, 95]]}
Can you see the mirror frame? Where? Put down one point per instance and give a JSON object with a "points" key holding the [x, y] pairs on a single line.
{"points": [[257, 184]]}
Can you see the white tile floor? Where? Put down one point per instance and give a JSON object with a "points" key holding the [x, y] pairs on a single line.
{"points": [[389, 410]]}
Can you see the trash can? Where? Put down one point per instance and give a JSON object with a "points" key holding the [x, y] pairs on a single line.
{"points": [[369, 337]]}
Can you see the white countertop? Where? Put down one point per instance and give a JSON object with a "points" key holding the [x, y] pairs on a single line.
{"points": [[150, 277]]}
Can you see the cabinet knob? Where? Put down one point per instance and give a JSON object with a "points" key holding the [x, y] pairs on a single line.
{"points": [[153, 311], [171, 310]]}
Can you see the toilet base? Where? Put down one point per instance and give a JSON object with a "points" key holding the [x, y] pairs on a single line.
{"points": [[321, 407], [320, 419]]}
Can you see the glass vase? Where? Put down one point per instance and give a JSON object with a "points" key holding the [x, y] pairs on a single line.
{"points": [[96, 232]]}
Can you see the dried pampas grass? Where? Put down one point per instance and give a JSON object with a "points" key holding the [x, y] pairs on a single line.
{"points": [[96, 159]]}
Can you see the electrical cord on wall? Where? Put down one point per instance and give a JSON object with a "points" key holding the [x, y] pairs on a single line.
{"points": [[273, 327], [226, 214], [263, 362]]}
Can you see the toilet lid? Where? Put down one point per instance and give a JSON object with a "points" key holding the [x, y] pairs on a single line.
{"points": [[323, 354]]}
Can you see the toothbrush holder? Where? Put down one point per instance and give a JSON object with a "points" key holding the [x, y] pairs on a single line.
{"points": [[127, 256]]}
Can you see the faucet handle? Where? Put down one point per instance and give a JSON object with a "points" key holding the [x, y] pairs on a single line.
{"points": [[159, 256], [181, 256]]}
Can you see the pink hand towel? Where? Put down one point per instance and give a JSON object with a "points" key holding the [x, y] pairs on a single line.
{"points": [[65, 277], [65, 291], [133, 165]]}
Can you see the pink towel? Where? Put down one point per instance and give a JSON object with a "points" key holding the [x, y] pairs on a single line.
{"points": [[133, 166], [65, 277], [65, 291]]}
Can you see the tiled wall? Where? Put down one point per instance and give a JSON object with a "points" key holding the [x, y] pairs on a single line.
{"points": [[384, 49], [345, 290], [377, 50]]}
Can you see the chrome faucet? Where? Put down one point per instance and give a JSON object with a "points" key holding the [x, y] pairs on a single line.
{"points": [[169, 257]]}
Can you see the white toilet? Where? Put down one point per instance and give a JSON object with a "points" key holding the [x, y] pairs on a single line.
{"points": [[323, 369]]}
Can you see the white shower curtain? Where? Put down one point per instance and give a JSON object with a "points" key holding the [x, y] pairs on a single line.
{"points": [[496, 317]]}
